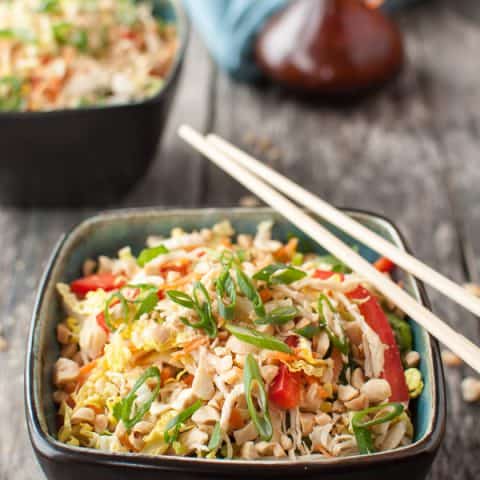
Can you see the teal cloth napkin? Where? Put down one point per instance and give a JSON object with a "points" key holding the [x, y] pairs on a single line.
{"points": [[228, 28]]}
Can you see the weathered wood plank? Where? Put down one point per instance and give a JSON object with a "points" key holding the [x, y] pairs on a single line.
{"points": [[410, 153]]}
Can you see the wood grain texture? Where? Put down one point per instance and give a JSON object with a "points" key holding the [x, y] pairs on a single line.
{"points": [[410, 153]]}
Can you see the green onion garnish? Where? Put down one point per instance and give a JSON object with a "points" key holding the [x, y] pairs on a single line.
{"points": [[145, 302], [279, 273], [203, 308], [336, 341], [252, 378], [258, 339], [248, 289], [148, 254], [225, 288], [278, 316], [176, 422], [216, 438], [361, 428], [123, 409], [10, 93]]}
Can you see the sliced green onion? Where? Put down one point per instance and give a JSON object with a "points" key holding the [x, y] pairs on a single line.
{"points": [[248, 289], [297, 259], [279, 273], [335, 340], [216, 438], [181, 298], [309, 331], [278, 316], [225, 288], [49, 6], [258, 339], [147, 304], [361, 428], [252, 378], [337, 265], [202, 308], [123, 409], [106, 309], [148, 254], [10, 93], [402, 331], [176, 422]]}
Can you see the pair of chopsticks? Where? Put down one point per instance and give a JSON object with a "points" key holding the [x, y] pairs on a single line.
{"points": [[266, 184]]}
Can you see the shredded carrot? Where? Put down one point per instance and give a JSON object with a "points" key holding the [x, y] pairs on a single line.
{"points": [[188, 379], [286, 253], [282, 357], [323, 450], [167, 373], [85, 372], [337, 363], [266, 294], [181, 266], [236, 420], [190, 347], [194, 344], [178, 283]]}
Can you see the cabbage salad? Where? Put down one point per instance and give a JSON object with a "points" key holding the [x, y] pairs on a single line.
{"points": [[216, 345]]}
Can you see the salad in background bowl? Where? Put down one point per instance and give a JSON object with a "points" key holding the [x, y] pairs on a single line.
{"points": [[85, 91]]}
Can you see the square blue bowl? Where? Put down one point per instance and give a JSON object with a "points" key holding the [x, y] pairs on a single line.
{"points": [[104, 235]]}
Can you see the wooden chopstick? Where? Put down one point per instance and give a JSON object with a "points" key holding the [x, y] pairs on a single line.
{"points": [[460, 345], [342, 221]]}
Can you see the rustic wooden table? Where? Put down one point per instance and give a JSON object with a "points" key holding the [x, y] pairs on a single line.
{"points": [[410, 153]]}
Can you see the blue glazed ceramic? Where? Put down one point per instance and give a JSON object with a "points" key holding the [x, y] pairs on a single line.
{"points": [[105, 234]]}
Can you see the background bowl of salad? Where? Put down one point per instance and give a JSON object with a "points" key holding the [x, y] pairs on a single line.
{"points": [[85, 91]]}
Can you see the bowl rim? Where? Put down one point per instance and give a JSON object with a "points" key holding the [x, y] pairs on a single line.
{"points": [[183, 24], [48, 447]]}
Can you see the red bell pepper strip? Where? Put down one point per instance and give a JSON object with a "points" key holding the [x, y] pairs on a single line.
{"points": [[285, 389], [384, 265], [326, 274], [105, 281], [377, 320]]}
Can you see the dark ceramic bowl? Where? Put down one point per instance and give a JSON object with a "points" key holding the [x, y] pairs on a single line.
{"points": [[86, 156], [105, 234]]}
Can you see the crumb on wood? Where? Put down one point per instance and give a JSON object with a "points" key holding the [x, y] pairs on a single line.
{"points": [[473, 288], [3, 344], [450, 359], [249, 201], [262, 145], [471, 389]]}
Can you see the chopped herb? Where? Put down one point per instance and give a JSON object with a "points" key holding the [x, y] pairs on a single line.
{"points": [[123, 409], [149, 254], [258, 339], [252, 378]]}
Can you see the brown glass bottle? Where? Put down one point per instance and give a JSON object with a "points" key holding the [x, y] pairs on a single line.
{"points": [[330, 47]]}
